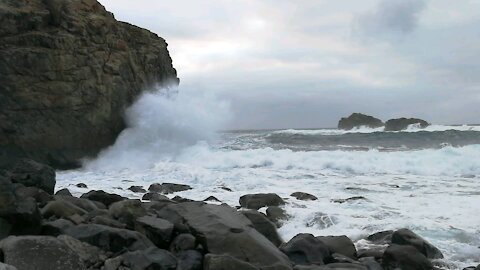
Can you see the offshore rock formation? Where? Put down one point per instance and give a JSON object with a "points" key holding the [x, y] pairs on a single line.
{"points": [[403, 123], [356, 120], [68, 69]]}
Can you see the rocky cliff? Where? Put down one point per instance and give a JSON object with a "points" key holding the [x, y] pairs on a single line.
{"points": [[68, 69]]}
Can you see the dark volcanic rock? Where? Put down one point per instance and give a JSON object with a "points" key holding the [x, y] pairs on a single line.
{"points": [[182, 242], [168, 188], [358, 120], [148, 259], [304, 196], [39, 253], [226, 262], [305, 249], [19, 216], [31, 173], [81, 185], [137, 189], [40, 196], [407, 237], [220, 229], [404, 257], [277, 215], [127, 211], [264, 226], [158, 230], [102, 196], [381, 238], [355, 198], [340, 244], [68, 71], [152, 196], [189, 260], [61, 209], [403, 123], [90, 256], [64, 192], [257, 201]]}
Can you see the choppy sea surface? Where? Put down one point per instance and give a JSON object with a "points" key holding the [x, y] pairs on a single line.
{"points": [[426, 180]]}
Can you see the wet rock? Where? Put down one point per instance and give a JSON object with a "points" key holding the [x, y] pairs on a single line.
{"points": [[20, 216], [56, 227], [127, 211], [102, 220], [61, 209], [181, 199], [108, 238], [375, 251], [212, 199], [40, 196], [137, 189], [344, 266], [152, 196], [381, 238], [89, 255], [64, 192], [277, 215], [407, 237], [264, 226], [304, 196], [403, 123], [404, 257], [85, 204], [371, 263], [356, 120], [33, 174], [168, 188], [158, 230], [355, 198], [7, 267], [305, 249], [226, 188], [151, 258], [226, 262], [257, 201], [39, 253], [189, 260], [81, 185], [101, 196], [220, 229], [340, 244], [182, 242]]}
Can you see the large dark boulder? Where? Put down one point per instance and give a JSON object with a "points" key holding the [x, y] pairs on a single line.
{"points": [[277, 215], [407, 237], [226, 262], [39, 253], [356, 120], [18, 216], [101, 196], [221, 229], [68, 71], [403, 123], [90, 256], [158, 230], [405, 257], [127, 211], [148, 259], [305, 249], [264, 226], [189, 260], [340, 244], [33, 174], [259, 200], [168, 188]]}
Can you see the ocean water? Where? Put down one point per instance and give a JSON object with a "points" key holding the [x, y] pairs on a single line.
{"points": [[426, 180]]}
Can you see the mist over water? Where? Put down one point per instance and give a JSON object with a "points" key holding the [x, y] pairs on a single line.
{"points": [[162, 124]]}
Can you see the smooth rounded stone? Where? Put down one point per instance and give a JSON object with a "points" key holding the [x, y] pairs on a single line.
{"points": [[102, 220], [85, 204], [340, 258], [40, 196], [168, 188], [407, 237], [264, 226], [39, 253], [321, 220], [221, 229], [404, 257], [212, 199], [158, 230], [21, 217], [61, 209], [306, 249], [373, 251], [64, 192], [370, 263], [90, 256], [149, 259], [277, 215], [304, 196], [182, 242], [340, 244], [7, 267], [33, 174], [189, 260], [101, 196], [56, 227], [108, 238], [81, 185], [127, 211], [356, 120], [225, 262], [381, 238], [152, 196], [259, 200], [403, 123], [355, 198], [137, 189]]}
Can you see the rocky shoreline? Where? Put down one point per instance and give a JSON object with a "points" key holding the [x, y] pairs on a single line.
{"points": [[99, 230]]}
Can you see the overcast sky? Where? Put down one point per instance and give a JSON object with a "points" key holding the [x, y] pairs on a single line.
{"points": [[306, 63]]}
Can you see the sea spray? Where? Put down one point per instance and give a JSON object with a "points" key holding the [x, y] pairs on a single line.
{"points": [[161, 124]]}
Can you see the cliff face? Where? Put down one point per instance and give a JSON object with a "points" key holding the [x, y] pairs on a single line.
{"points": [[68, 69]]}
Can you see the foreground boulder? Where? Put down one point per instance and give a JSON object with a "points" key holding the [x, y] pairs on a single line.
{"points": [[148, 259], [305, 249], [221, 230], [403, 123], [226, 262], [340, 244], [407, 237], [39, 253], [101, 196], [264, 226], [404, 257], [356, 120], [33, 174], [168, 188], [259, 200], [304, 196], [68, 70], [158, 230]]}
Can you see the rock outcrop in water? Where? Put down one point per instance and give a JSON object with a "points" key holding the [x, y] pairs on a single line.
{"points": [[403, 123], [68, 70], [356, 120]]}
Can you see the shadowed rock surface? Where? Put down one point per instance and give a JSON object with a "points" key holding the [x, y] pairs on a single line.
{"points": [[356, 120], [68, 69], [403, 123]]}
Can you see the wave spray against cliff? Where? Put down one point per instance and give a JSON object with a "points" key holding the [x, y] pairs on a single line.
{"points": [[162, 124]]}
